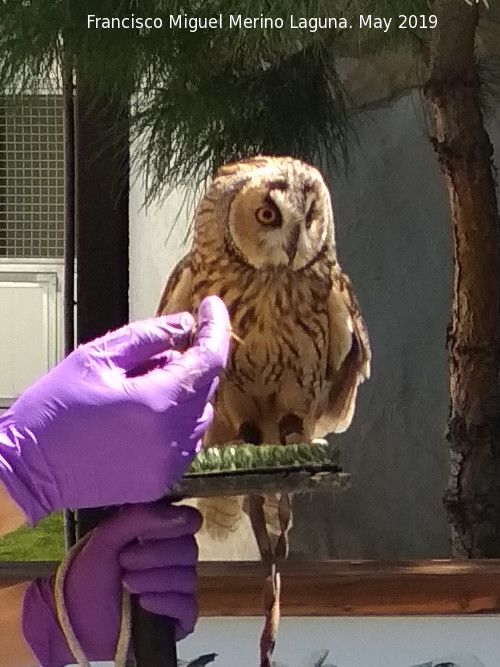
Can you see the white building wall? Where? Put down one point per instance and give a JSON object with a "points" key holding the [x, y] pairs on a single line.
{"points": [[156, 245]]}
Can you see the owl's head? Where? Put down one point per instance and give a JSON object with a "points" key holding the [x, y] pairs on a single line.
{"points": [[275, 211]]}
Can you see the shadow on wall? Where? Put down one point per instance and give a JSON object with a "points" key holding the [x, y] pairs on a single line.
{"points": [[394, 241]]}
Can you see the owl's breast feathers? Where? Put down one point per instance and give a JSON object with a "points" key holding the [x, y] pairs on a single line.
{"points": [[301, 348], [282, 321], [302, 342]]}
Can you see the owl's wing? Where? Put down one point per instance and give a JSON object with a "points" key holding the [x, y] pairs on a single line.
{"points": [[177, 293], [349, 355]]}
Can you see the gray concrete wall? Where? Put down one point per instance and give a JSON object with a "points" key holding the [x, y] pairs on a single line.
{"points": [[394, 240]]}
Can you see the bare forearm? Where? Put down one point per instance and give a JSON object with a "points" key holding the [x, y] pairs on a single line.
{"points": [[11, 516], [14, 651]]}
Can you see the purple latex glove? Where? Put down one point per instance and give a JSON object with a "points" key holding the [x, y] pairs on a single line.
{"points": [[87, 434], [151, 549]]}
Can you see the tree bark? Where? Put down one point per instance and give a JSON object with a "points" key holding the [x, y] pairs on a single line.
{"points": [[465, 153]]}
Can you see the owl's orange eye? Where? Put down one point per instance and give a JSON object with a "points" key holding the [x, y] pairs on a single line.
{"points": [[268, 215]]}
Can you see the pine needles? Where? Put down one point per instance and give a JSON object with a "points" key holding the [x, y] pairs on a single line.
{"points": [[200, 97]]}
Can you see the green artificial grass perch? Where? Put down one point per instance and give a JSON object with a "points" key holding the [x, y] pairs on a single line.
{"points": [[216, 471], [247, 457], [243, 469], [246, 469]]}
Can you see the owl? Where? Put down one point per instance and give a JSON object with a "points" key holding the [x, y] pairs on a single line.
{"points": [[264, 242]]}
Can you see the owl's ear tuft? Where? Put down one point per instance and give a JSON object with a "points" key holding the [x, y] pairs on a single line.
{"points": [[245, 165]]}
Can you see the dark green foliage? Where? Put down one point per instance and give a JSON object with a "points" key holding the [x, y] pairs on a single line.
{"points": [[207, 96], [292, 107]]}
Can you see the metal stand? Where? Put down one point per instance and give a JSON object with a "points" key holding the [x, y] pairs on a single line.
{"points": [[153, 638]]}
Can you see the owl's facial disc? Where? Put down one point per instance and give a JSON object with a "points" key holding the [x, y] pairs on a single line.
{"points": [[273, 225]]}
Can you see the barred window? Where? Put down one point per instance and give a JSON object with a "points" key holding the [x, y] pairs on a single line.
{"points": [[31, 176]]}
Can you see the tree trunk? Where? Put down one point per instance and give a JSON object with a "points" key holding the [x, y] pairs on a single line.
{"points": [[465, 153]]}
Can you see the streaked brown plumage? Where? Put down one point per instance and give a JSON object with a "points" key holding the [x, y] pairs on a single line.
{"points": [[264, 242]]}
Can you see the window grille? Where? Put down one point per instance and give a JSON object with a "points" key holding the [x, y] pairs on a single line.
{"points": [[31, 176]]}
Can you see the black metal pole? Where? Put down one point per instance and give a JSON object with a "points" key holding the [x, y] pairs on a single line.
{"points": [[102, 238], [69, 243], [69, 208], [153, 637], [101, 210]]}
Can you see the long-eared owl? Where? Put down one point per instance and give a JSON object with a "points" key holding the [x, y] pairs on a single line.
{"points": [[264, 241]]}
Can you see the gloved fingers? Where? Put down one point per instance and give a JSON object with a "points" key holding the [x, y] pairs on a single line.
{"points": [[157, 362], [214, 327], [203, 423], [195, 371], [212, 389], [135, 343], [186, 445], [182, 608], [164, 580], [161, 388], [148, 522], [148, 554]]}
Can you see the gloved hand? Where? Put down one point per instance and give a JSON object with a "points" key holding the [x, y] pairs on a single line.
{"points": [[151, 549], [92, 432]]}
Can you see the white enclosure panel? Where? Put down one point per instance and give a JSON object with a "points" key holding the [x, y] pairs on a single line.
{"points": [[396, 641], [29, 328]]}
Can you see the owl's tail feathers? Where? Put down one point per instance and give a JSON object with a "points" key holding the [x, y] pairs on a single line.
{"points": [[221, 516]]}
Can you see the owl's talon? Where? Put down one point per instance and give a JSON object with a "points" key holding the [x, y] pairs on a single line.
{"points": [[321, 442], [250, 433]]}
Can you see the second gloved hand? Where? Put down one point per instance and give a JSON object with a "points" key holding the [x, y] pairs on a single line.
{"points": [[94, 432], [151, 550]]}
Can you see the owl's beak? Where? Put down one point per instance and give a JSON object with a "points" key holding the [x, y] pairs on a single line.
{"points": [[293, 241]]}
